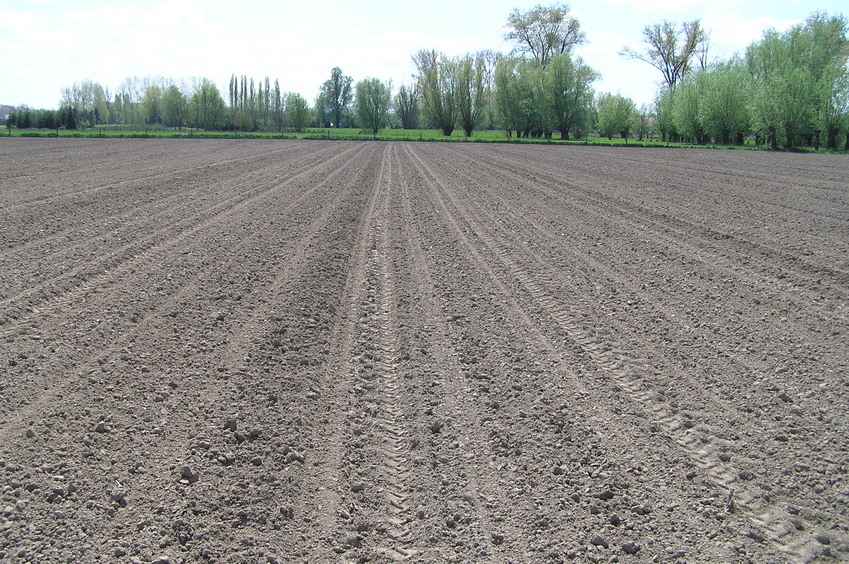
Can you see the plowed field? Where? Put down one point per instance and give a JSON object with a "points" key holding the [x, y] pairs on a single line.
{"points": [[326, 351]]}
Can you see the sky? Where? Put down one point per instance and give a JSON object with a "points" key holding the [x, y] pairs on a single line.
{"points": [[48, 45]]}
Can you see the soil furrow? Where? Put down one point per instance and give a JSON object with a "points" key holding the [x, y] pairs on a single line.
{"points": [[64, 287], [346, 352], [523, 317], [105, 284], [126, 216], [796, 537]]}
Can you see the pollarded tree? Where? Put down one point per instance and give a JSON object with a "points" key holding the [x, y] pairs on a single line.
{"points": [[407, 106], [672, 50], [835, 113], [371, 104], [544, 32], [800, 81], [824, 40], [473, 92], [724, 106], [508, 103], [643, 120], [783, 97], [685, 110], [336, 95], [569, 93], [437, 82], [615, 114], [663, 118], [520, 99]]}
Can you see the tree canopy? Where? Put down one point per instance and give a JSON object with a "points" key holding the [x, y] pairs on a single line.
{"points": [[336, 96], [789, 88], [544, 32], [371, 104], [671, 49]]}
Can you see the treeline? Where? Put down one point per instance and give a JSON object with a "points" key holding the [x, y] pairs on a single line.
{"points": [[789, 89]]}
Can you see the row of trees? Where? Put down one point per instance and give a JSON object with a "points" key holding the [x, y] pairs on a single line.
{"points": [[788, 89], [155, 101]]}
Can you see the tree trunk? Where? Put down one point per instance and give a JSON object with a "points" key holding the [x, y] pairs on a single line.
{"points": [[790, 136], [831, 138], [447, 130]]}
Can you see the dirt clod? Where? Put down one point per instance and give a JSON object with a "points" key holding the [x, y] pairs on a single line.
{"points": [[464, 352]]}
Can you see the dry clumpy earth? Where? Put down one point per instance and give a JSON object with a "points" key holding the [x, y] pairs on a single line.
{"points": [[222, 351]]}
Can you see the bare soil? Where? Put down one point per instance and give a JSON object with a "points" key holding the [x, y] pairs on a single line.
{"points": [[314, 351]]}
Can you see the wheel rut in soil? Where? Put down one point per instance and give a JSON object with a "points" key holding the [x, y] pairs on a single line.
{"points": [[799, 537], [422, 352], [65, 287]]}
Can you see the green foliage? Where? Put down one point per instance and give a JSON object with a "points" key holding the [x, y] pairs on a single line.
{"points": [[544, 32], [206, 107], [615, 115], [536, 101], [799, 82], [407, 107], [791, 89], [472, 90], [174, 107], [671, 50], [685, 111], [152, 104], [371, 104], [242, 121], [88, 100], [568, 94], [68, 117], [724, 112], [334, 100], [643, 122], [437, 82], [519, 97], [297, 111]]}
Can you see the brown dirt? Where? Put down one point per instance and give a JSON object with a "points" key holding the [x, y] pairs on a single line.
{"points": [[306, 351]]}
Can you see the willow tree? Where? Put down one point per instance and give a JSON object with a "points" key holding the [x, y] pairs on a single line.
{"points": [[473, 80], [407, 106], [569, 93], [672, 50], [615, 115], [724, 110], [544, 32], [437, 82]]}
